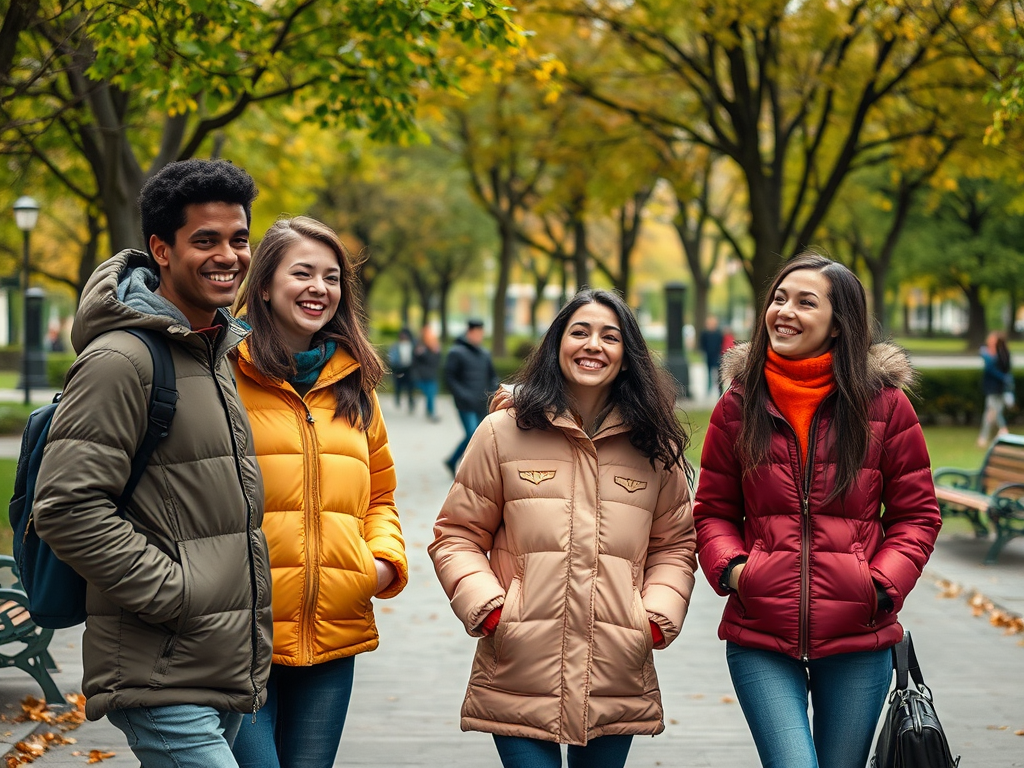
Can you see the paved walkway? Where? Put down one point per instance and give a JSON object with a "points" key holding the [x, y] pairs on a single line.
{"points": [[405, 706]]}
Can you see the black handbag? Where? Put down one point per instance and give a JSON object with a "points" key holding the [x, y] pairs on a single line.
{"points": [[911, 735]]}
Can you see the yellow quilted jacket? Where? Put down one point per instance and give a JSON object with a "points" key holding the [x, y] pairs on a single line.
{"points": [[329, 511]]}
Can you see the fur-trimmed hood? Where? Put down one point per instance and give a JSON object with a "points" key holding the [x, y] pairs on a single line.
{"points": [[888, 365]]}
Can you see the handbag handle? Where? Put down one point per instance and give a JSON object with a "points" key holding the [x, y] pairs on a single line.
{"points": [[905, 663]]}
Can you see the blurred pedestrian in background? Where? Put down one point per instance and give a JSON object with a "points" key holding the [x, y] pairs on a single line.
{"points": [[566, 544], [711, 343], [470, 376], [426, 360], [400, 360], [996, 385], [307, 376]]}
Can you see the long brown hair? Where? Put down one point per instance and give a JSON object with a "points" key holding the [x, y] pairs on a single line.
{"points": [[849, 370], [270, 354]]}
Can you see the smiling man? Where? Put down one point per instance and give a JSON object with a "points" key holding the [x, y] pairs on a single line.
{"points": [[177, 644]]}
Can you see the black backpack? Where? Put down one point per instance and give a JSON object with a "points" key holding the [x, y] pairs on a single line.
{"points": [[56, 593]]}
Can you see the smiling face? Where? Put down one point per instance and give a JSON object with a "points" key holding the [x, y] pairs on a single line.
{"points": [[590, 355], [304, 292], [203, 269], [799, 316]]}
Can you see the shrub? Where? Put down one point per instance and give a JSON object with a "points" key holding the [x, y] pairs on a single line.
{"points": [[954, 394], [57, 365]]}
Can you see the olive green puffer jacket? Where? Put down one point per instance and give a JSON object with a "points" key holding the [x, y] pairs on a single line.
{"points": [[179, 592]]}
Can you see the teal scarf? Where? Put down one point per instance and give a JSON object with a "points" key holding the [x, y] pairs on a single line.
{"points": [[308, 364]]}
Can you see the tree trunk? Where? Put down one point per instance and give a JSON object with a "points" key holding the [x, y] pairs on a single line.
{"points": [[976, 326], [506, 257], [1011, 321], [443, 290], [581, 254], [90, 254], [406, 304]]}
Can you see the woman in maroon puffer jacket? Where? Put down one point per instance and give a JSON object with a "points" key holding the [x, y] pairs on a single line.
{"points": [[813, 438]]}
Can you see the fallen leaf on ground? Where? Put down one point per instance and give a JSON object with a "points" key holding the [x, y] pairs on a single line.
{"points": [[728, 700], [98, 755], [949, 589], [998, 727]]}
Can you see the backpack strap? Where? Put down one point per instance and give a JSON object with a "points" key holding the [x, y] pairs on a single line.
{"points": [[162, 404]]}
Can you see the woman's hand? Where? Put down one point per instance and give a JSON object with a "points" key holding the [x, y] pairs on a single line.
{"points": [[734, 576], [386, 573]]}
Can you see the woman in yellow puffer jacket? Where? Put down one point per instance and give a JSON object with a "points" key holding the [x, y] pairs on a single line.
{"points": [[307, 376]]}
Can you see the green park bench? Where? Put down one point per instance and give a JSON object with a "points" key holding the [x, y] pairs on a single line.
{"points": [[992, 495], [23, 644]]}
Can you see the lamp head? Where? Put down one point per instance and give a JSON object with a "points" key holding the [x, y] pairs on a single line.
{"points": [[26, 213]]}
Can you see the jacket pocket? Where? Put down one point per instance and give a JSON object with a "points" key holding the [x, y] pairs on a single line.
{"points": [[744, 596], [870, 599], [643, 624], [187, 583], [511, 598]]}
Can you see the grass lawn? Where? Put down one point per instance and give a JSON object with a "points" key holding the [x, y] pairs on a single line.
{"points": [[948, 446]]}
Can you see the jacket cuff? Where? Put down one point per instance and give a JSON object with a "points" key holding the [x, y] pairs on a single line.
{"points": [[476, 622], [401, 567], [723, 579]]}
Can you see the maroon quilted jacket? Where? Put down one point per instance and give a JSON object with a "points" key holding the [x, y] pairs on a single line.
{"points": [[808, 588]]}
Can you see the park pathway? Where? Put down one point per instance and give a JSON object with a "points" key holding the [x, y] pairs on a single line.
{"points": [[405, 706]]}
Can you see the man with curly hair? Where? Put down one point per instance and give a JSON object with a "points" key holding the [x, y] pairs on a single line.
{"points": [[177, 643]]}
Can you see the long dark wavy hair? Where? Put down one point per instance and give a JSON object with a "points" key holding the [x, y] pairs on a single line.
{"points": [[643, 392], [849, 370], [270, 354]]}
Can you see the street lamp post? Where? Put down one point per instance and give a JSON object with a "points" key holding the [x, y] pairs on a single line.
{"points": [[26, 214]]}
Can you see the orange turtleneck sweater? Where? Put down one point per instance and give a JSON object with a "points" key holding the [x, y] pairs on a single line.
{"points": [[797, 388]]}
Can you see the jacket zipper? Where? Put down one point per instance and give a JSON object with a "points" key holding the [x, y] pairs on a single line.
{"points": [[311, 528], [253, 631], [805, 542]]}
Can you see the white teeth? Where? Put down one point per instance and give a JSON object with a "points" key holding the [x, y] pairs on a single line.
{"points": [[219, 277], [786, 331], [314, 307], [592, 365]]}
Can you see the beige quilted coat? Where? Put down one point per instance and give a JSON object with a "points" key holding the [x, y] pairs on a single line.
{"points": [[582, 542]]}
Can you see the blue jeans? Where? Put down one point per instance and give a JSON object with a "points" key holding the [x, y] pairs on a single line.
{"points": [[302, 721], [429, 389], [847, 691], [179, 736], [403, 383], [470, 421], [520, 752]]}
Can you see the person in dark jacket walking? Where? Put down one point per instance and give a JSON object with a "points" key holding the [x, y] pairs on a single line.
{"points": [[996, 383], [471, 378], [426, 360], [177, 644], [711, 343], [814, 436]]}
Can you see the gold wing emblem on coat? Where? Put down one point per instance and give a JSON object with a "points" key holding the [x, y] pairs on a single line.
{"points": [[536, 476], [630, 484]]}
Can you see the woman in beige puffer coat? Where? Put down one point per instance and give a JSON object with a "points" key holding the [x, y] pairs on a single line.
{"points": [[567, 545]]}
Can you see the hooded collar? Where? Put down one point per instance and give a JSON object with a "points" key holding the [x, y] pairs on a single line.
{"points": [[888, 365]]}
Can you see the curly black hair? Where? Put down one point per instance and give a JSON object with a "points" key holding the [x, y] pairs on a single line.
{"points": [[164, 197]]}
